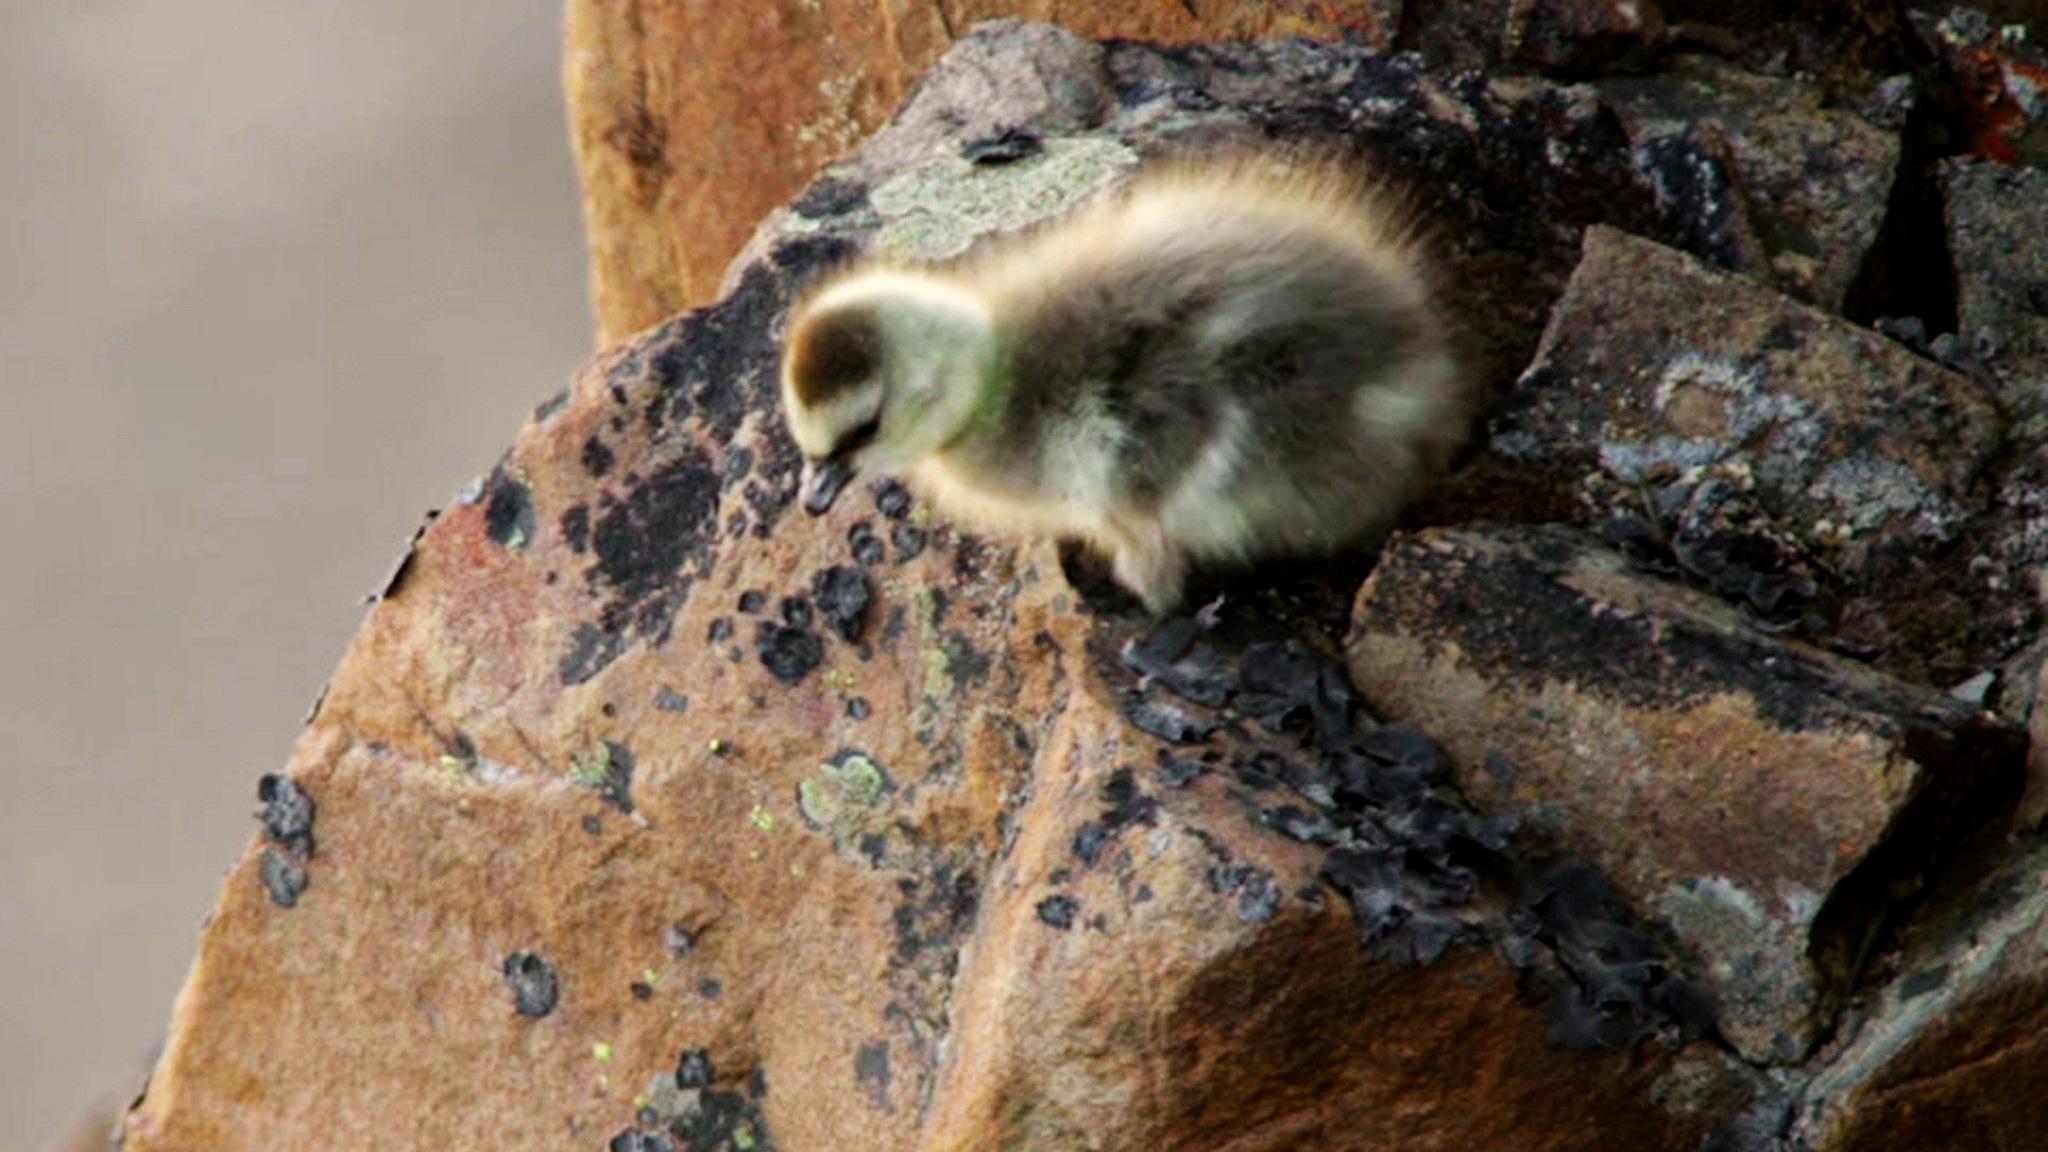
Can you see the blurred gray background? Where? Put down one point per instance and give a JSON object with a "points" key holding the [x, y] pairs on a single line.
{"points": [[274, 279]]}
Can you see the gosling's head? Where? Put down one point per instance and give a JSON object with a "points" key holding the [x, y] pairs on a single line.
{"points": [[880, 370]]}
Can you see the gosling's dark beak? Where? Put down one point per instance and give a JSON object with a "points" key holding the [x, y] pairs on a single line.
{"points": [[823, 481]]}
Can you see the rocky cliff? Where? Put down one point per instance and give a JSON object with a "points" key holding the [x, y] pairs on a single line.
{"points": [[1659, 787]]}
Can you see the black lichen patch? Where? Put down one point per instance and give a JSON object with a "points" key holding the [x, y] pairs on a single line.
{"points": [[866, 547], [1089, 841], [694, 1069], [966, 665], [1005, 147], [752, 601], [1513, 609], [617, 785], [668, 699], [287, 814], [1174, 657], [1059, 911], [640, 1140], [789, 653], [535, 988], [642, 541], [508, 517], [796, 611], [910, 541], [1407, 854], [892, 499], [1617, 990], [937, 910], [575, 526], [871, 1071], [842, 595], [1257, 893], [858, 708], [831, 196], [283, 878], [597, 459], [722, 1122], [710, 989], [591, 650]]}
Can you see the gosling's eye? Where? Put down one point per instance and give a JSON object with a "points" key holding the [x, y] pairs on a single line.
{"points": [[860, 437]]}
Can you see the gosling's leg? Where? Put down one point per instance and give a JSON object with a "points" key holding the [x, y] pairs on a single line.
{"points": [[1149, 565]]}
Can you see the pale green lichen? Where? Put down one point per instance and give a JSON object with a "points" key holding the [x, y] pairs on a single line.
{"points": [[761, 819], [593, 769], [938, 209], [845, 800]]}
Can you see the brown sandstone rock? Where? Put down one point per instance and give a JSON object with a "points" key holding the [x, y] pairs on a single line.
{"points": [[646, 813], [1767, 801], [1952, 1052], [1655, 363], [692, 120], [1814, 179]]}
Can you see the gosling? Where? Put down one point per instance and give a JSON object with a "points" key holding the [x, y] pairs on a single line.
{"points": [[1219, 362]]}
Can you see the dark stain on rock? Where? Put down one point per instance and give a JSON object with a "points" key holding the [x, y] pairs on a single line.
{"points": [[535, 988], [723, 1122], [1513, 609], [694, 1069], [287, 814], [910, 541], [508, 517], [1089, 841], [642, 541], [1059, 911], [617, 788], [789, 653], [597, 459], [710, 989], [1005, 147], [575, 526], [892, 499], [866, 547], [937, 910], [871, 1070], [967, 665], [831, 196], [591, 650], [283, 878], [640, 1140], [858, 709], [841, 592], [669, 700], [719, 630], [593, 825]]}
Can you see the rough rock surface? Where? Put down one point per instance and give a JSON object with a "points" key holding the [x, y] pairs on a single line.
{"points": [[1754, 793], [646, 815], [1584, 37], [692, 120], [628, 822], [1768, 450], [1995, 234], [1952, 1049], [1814, 180]]}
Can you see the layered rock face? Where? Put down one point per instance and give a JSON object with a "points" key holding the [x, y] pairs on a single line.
{"points": [[1618, 802]]}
